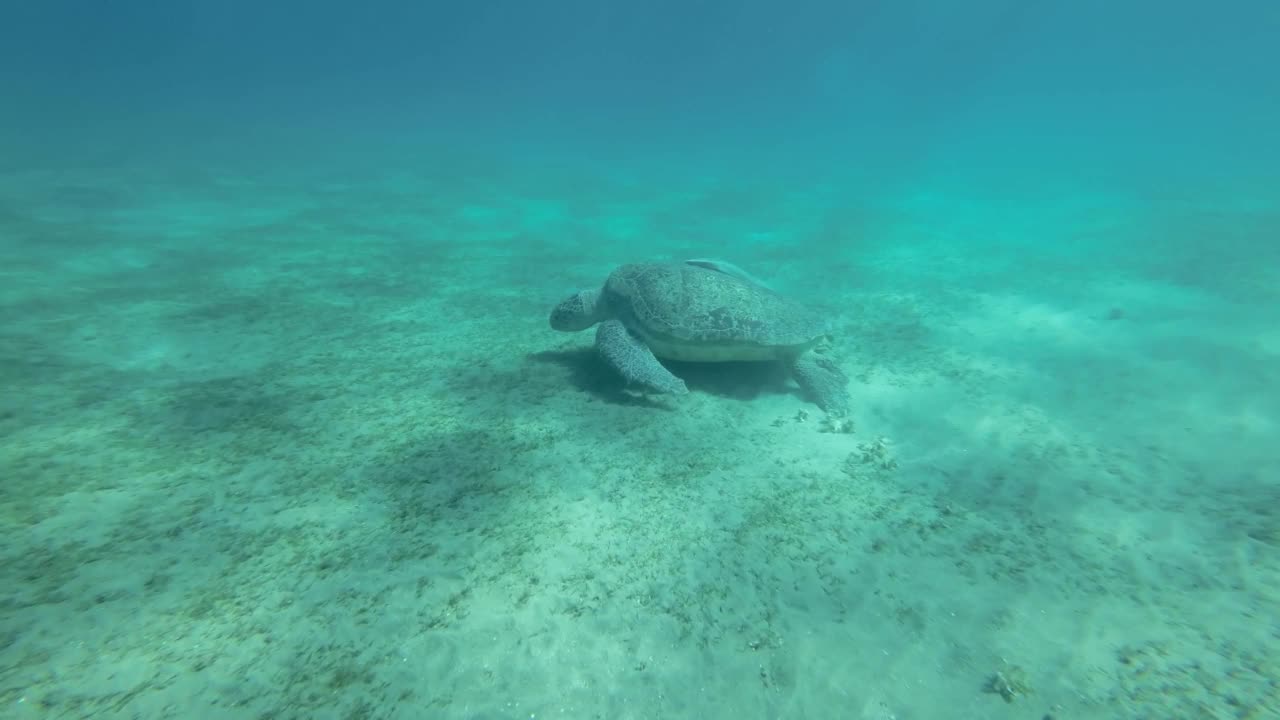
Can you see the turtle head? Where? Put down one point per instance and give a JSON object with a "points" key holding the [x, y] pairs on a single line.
{"points": [[579, 311]]}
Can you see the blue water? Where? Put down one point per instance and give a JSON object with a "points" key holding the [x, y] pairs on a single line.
{"points": [[284, 431]]}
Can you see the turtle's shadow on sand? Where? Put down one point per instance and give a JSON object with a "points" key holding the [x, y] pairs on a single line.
{"points": [[591, 376], [734, 380]]}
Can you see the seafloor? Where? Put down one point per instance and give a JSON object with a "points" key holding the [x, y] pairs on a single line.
{"points": [[295, 441]]}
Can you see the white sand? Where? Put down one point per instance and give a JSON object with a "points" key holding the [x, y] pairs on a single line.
{"points": [[303, 446]]}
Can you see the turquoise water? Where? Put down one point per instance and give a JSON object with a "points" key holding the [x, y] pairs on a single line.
{"points": [[284, 432]]}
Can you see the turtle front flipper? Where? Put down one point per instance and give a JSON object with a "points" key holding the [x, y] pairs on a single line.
{"points": [[822, 381], [633, 360]]}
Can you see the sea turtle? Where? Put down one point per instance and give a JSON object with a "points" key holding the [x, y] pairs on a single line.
{"points": [[701, 311]]}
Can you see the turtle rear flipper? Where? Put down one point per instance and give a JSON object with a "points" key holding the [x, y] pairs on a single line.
{"points": [[823, 381], [633, 360]]}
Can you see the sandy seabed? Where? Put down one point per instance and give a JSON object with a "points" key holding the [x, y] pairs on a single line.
{"points": [[303, 446]]}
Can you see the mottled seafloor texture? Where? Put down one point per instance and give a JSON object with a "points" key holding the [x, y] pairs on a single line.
{"points": [[298, 443]]}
